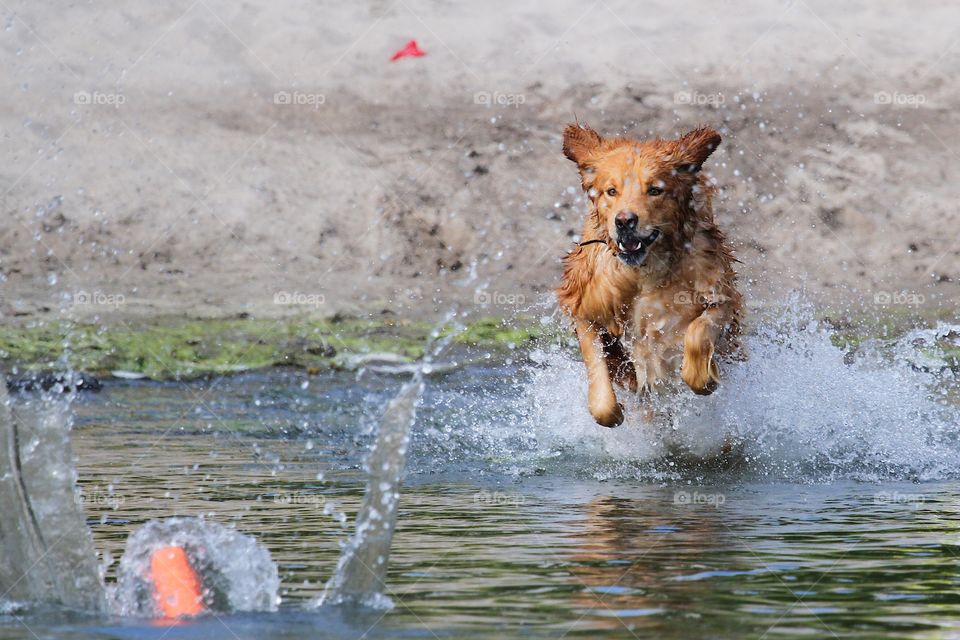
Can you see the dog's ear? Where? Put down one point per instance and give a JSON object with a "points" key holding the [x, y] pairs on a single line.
{"points": [[579, 143], [694, 148]]}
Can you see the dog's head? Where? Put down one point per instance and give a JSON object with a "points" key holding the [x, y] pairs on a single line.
{"points": [[643, 193]]}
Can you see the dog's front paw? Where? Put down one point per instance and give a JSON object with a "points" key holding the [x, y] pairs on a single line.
{"points": [[609, 415], [701, 374]]}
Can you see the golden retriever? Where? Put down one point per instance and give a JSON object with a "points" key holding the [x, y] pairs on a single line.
{"points": [[651, 285]]}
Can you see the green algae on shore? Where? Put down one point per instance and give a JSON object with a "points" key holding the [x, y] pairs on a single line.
{"points": [[168, 348], [176, 348]]}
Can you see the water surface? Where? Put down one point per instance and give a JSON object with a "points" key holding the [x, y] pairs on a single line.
{"points": [[519, 518]]}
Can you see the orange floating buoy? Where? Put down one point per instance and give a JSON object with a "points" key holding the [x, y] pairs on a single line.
{"points": [[177, 589]]}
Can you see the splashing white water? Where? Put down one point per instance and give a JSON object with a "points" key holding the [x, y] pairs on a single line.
{"points": [[799, 409], [237, 573]]}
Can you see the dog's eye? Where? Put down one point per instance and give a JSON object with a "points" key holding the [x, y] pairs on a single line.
{"points": [[654, 191], [611, 192]]}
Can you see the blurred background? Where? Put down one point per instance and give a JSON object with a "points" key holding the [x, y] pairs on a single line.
{"points": [[218, 158]]}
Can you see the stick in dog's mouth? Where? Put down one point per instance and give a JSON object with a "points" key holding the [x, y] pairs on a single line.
{"points": [[633, 251]]}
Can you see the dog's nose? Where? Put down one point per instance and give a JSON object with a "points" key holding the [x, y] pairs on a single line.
{"points": [[626, 221]]}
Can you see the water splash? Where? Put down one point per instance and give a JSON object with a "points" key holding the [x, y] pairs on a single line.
{"points": [[48, 554], [360, 576], [237, 573], [806, 408], [800, 409]]}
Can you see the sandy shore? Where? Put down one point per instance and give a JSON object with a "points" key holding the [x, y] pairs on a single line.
{"points": [[214, 158]]}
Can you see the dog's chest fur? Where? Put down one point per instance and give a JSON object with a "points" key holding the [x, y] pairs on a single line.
{"points": [[654, 319], [649, 308]]}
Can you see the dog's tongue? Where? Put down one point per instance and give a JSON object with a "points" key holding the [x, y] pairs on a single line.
{"points": [[630, 245]]}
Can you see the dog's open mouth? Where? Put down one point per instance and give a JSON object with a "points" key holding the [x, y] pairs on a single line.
{"points": [[633, 248]]}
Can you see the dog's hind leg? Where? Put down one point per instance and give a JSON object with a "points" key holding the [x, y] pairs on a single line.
{"points": [[601, 400], [619, 363]]}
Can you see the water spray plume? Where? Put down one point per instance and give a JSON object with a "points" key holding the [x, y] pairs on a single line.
{"points": [[360, 576]]}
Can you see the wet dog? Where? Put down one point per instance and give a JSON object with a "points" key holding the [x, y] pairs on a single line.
{"points": [[651, 287]]}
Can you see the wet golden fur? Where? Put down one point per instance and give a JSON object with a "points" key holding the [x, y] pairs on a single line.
{"points": [[637, 323]]}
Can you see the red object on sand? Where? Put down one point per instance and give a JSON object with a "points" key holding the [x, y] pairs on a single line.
{"points": [[177, 589], [410, 50]]}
